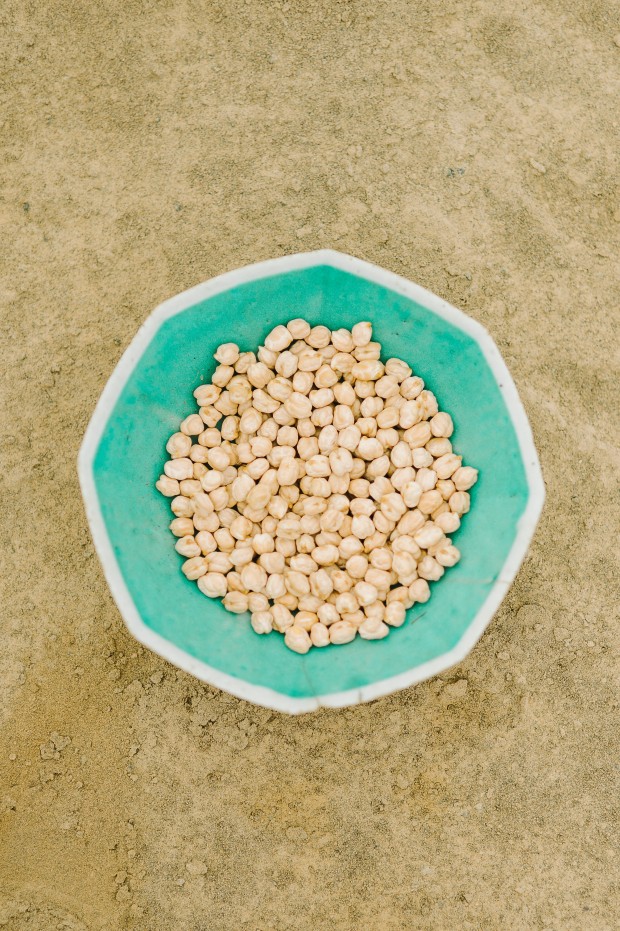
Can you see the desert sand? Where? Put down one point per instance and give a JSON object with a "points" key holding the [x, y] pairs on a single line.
{"points": [[472, 147]]}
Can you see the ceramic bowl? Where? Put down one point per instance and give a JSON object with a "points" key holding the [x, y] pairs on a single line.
{"points": [[150, 391]]}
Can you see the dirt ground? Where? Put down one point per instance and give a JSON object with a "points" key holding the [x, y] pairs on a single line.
{"points": [[471, 146]]}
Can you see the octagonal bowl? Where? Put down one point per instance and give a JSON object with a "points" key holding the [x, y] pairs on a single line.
{"points": [[150, 391]]}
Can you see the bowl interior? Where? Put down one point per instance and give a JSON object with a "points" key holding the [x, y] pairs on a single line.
{"points": [[158, 395]]}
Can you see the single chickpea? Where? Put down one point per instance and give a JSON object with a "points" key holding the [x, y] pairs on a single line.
{"points": [[393, 506], [357, 566], [373, 629], [319, 635], [218, 562], [306, 619], [367, 426], [262, 622], [387, 386], [399, 369], [328, 614], [213, 585], [286, 364], [361, 334], [182, 526], [279, 389], [302, 384], [341, 581], [222, 375], [189, 487], [429, 501], [227, 353], [187, 546], [235, 602], [350, 546], [439, 446], [426, 479], [388, 438], [447, 555], [430, 569], [401, 455], [342, 362], [321, 584], [229, 429], [404, 565], [206, 522], [410, 414], [411, 493], [279, 339], [309, 603], [381, 559], [459, 503], [365, 592], [342, 632], [259, 375], [449, 522], [210, 415], [297, 639], [363, 390], [349, 437], [395, 613], [369, 448], [362, 506], [429, 404], [207, 395], [179, 469], [240, 556], [422, 459], [319, 337], [382, 524], [298, 328], [193, 568], [281, 616], [369, 370], [169, 487], [241, 528], [428, 535], [326, 555], [342, 417], [419, 591], [275, 586], [179, 445], [380, 578], [362, 526], [400, 594], [325, 377], [406, 544], [344, 393], [224, 540], [303, 563], [288, 472], [298, 405], [239, 389], [377, 467], [465, 478]]}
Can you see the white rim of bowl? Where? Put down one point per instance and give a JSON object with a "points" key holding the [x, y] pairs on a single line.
{"points": [[261, 695]]}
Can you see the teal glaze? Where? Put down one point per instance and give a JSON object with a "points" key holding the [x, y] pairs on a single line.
{"points": [[158, 395]]}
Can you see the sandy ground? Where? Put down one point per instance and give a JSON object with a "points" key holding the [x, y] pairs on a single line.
{"points": [[147, 146]]}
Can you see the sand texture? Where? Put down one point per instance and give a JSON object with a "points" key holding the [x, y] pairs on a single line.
{"points": [[470, 146]]}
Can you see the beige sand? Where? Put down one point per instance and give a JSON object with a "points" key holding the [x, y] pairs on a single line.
{"points": [[150, 145]]}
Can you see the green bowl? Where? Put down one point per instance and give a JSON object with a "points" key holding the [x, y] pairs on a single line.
{"points": [[150, 391]]}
